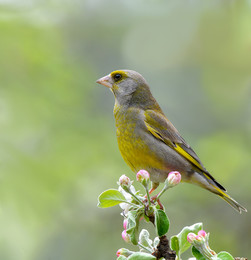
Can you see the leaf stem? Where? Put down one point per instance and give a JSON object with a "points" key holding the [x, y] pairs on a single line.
{"points": [[130, 203], [135, 197], [162, 191], [148, 196]]}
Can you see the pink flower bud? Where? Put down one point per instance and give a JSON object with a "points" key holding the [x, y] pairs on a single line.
{"points": [[118, 253], [124, 181], [142, 175], [199, 238], [125, 236], [191, 237], [124, 252], [200, 242], [125, 223], [174, 178], [202, 233]]}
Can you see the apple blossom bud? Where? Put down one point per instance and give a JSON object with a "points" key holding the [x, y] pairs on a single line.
{"points": [[125, 223], [142, 175], [119, 252], [124, 252], [125, 236], [199, 239], [124, 181], [200, 242], [174, 178], [202, 233], [191, 237]]}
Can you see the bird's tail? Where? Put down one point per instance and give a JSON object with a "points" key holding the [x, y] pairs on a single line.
{"points": [[237, 206], [212, 185]]}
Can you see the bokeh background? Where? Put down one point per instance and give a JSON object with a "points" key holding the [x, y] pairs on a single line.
{"points": [[58, 148]]}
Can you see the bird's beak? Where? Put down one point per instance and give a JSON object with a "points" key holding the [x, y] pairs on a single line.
{"points": [[106, 81]]}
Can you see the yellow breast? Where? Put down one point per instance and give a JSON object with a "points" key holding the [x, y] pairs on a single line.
{"points": [[132, 145]]}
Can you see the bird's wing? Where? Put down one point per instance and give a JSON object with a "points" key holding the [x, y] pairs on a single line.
{"points": [[161, 128]]}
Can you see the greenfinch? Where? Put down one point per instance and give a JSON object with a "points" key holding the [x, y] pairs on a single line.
{"points": [[148, 140]]}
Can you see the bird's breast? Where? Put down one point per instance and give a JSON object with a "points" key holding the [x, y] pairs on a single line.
{"points": [[132, 142]]}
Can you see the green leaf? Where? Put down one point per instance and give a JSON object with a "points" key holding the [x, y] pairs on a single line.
{"points": [[175, 244], [144, 239], [131, 221], [197, 254], [146, 218], [225, 256], [110, 198], [121, 257], [141, 256], [133, 225], [182, 236], [161, 222]]}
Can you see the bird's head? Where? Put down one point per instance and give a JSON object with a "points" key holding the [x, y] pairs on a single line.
{"points": [[129, 88]]}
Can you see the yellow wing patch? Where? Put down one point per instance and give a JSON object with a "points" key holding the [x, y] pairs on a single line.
{"points": [[154, 132], [157, 135], [175, 146], [185, 154]]}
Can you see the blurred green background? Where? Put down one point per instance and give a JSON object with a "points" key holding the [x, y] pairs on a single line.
{"points": [[58, 149]]}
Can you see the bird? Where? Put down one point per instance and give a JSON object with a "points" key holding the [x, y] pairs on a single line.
{"points": [[148, 140]]}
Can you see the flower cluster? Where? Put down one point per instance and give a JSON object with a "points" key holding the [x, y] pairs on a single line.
{"points": [[136, 207], [201, 243]]}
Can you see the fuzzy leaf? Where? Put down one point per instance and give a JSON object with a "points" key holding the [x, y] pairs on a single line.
{"points": [[156, 242], [131, 221], [182, 236], [110, 198], [144, 239], [161, 222], [225, 256], [141, 256], [133, 224]]}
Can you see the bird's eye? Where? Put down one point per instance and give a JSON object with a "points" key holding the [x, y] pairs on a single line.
{"points": [[117, 77]]}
